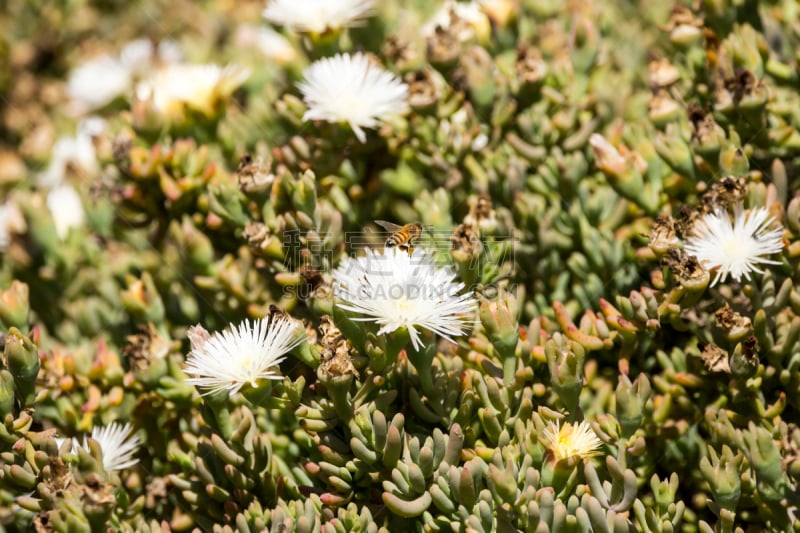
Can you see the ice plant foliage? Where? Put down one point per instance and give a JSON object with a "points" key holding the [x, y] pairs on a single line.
{"points": [[318, 16], [396, 290], [737, 248], [568, 441], [118, 444], [230, 359], [353, 89]]}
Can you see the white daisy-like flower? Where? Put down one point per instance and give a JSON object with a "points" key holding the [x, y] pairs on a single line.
{"points": [[66, 208], [318, 16], [735, 249], [117, 443], [230, 359], [351, 88], [199, 87], [568, 441], [98, 81], [396, 290]]}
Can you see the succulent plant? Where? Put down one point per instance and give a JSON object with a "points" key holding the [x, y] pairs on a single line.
{"points": [[595, 329]]}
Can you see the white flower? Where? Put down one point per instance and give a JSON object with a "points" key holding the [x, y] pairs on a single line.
{"points": [[117, 443], [466, 18], [11, 221], [352, 89], [269, 42], [98, 81], [76, 154], [569, 441], [230, 359], [317, 16], [137, 54], [737, 248], [199, 87], [400, 290], [66, 207]]}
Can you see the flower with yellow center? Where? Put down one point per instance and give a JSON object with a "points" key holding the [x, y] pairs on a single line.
{"points": [[735, 249], [231, 359], [397, 290], [200, 88], [352, 89], [563, 442]]}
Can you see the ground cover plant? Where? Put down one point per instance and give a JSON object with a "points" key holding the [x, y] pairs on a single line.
{"points": [[356, 265]]}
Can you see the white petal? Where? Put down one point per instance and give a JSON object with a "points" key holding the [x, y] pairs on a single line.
{"points": [[232, 358], [396, 289], [735, 249], [349, 88], [318, 15]]}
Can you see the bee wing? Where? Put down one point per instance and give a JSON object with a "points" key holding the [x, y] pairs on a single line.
{"points": [[388, 226]]}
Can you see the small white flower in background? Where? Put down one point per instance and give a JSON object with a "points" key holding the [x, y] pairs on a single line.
{"points": [[735, 249], [568, 441], [230, 359], [269, 42], [97, 82], [199, 87], [467, 18], [318, 16], [74, 154], [117, 443], [136, 55], [66, 207], [77, 153], [396, 289], [351, 88], [141, 57], [11, 221]]}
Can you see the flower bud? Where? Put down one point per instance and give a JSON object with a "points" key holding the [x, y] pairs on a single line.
{"points": [[142, 300], [744, 359], [6, 393], [623, 170], [15, 305], [304, 194], [22, 360], [499, 319], [565, 362], [631, 400], [732, 160]]}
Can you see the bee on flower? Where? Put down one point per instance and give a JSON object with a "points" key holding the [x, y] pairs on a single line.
{"points": [[400, 289]]}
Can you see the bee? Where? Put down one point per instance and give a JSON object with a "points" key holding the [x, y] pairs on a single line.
{"points": [[404, 237]]}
